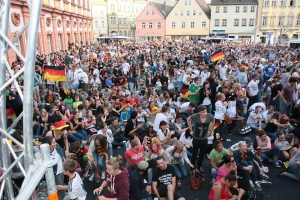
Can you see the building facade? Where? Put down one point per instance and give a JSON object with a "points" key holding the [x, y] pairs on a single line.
{"points": [[99, 15], [150, 24], [61, 22], [278, 21], [122, 15], [234, 19], [188, 18]]}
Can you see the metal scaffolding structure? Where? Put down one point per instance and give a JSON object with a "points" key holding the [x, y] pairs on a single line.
{"points": [[33, 172]]}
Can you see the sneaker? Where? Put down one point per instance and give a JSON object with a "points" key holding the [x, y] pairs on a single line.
{"points": [[252, 186], [265, 176], [83, 142], [258, 187], [276, 164], [264, 183], [103, 175], [91, 177]]}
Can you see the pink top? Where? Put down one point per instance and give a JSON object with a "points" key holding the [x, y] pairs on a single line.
{"points": [[221, 173], [266, 143]]}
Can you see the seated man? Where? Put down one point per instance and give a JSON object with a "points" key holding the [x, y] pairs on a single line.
{"points": [[117, 131], [141, 114], [267, 114], [139, 189], [134, 155], [255, 118], [125, 115], [186, 109], [233, 113], [164, 181], [215, 157]]}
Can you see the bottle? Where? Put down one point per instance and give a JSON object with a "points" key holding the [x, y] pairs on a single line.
{"points": [[179, 184], [217, 136]]}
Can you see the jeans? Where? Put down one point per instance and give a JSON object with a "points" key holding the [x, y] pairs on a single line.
{"points": [[75, 86], [84, 134], [296, 173], [180, 170], [198, 145], [259, 95], [179, 84], [268, 155], [75, 137], [145, 126], [209, 108], [36, 130], [83, 161], [286, 108], [249, 176], [148, 198], [100, 162], [85, 87], [276, 103], [214, 173], [252, 100], [256, 126], [118, 140], [272, 136]]}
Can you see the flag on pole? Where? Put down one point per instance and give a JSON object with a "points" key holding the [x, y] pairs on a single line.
{"points": [[55, 73], [245, 65], [217, 56]]}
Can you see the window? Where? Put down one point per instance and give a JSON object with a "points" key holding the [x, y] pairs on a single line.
{"points": [[225, 9], [175, 14], [186, 2], [199, 13], [298, 21], [190, 2], [292, 2], [173, 25], [236, 22], [102, 24], [143, 25], [217, 22], [147, 12], [159, 25], [280, 21], [266, 2], [181, 13], [274, 2], [125, 33], [194, 12], [192, 24], [96, 24], [59, 41], [283, 2], [187, 13], [245, 9], [290, 21], [150, 25], [264, 21], [217, 9], [49, 42], [152, 12], [112, 20], [237, 9], [124, 20], [182, 24], [119, 20], [17, 44], [224, 22], [244, 22], [251, 22], [203, 24], [252, 9]]}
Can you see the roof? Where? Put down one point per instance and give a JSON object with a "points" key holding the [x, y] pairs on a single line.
{"points": [[234, 2], [204, 7], [168, 2], [161, 8]]}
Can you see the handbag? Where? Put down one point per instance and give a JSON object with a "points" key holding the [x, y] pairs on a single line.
{"points": [[228, 120], [196, 181]]}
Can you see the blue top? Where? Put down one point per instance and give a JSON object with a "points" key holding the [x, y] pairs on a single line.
{"points": [[108, 82], [270, 70]]}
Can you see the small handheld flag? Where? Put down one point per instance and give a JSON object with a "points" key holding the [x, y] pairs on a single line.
{"points": [[217, 56]]}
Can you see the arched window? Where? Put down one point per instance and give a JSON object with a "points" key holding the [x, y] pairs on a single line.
{"points": [[125, 33], [120, 33], [129, 34]]}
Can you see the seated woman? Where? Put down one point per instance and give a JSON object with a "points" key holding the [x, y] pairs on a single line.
{"points": [[77, 132], [268, 154], [108, 135], [66, 115], [273, 125], [244, 161], [120, 182], [285, 144], [155, 150], [164, 135], [294, 167], [43, 121], [99, 153], [187, 139], [220, 189], [90, 122], [177, 154], [228, 164], [148, 139]]}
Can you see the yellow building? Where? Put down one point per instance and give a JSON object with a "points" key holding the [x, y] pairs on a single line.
{"points": [[278, 21], [188, 18], [99, 15]]}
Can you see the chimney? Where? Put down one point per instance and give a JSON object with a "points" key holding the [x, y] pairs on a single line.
{"points": [[165, 7]]}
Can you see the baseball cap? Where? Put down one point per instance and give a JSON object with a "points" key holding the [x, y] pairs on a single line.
{"points": [[143, 165], [248, 141]]}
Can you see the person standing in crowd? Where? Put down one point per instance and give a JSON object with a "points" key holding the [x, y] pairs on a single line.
{"points": [[194, 90], [252, 90], [288, 97], [220, 112]]}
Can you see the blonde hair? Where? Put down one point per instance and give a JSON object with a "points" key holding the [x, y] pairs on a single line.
{"points": [[176, 144], [220, 95], [134, 142], [43, 110], [241, 143], [116, 162]]}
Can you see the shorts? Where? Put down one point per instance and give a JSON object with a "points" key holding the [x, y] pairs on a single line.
{"points": [[163, 192]]}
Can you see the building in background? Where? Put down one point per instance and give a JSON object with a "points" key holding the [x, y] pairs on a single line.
{"points": [[99, 15], [150, 24], [122, 15], [233, 19], [188, 18], [278, 21], [61, 22]]}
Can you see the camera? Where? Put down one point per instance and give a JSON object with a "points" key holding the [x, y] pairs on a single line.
{"points": [[79, 119]]}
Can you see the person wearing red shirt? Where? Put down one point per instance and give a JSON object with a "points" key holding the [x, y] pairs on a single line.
{"points": [[134, 155], [128, 100]]}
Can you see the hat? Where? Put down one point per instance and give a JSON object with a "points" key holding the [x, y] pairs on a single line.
{"points": [[143, 165], [248, 141], [60, 125]]}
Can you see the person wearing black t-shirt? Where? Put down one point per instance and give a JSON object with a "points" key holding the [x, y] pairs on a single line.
{"points": [[164, 181]]}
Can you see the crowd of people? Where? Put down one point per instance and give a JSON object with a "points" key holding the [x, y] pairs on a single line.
{"points": [[168, 107]]}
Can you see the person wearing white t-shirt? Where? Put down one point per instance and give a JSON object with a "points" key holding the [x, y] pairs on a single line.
{"points": [[125, 66], [204, 75], [95, 82], [160, 117], [85, 81], [255, 118], [75, 184], [186, 109], [141, 114], [252, 90], [222, 69]]}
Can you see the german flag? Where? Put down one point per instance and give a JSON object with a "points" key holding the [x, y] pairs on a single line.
{"points": [[295, 61], [217, 124], [10, 113], [245, 65], [217, 56], [55, 73]]}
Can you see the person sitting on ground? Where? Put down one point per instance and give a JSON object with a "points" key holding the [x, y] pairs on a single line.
{"points": [[117, 131], [132, 127], [164, 181], [233, 113], [134, 155], [164, 134], [255, 119], [273, 125], [187, 139], [286, 145], [294, 166], [148, 139]]}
